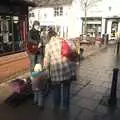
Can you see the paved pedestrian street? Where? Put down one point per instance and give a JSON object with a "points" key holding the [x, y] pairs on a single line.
{"points": [[93, 85]]}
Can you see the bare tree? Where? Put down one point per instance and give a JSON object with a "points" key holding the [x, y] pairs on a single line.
{"points": [[86, 5]]}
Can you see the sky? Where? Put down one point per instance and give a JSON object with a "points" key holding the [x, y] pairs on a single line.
{"points": [[103, 8]]}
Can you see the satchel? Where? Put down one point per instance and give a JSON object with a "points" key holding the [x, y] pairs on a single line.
{"points": [[66, 51]]}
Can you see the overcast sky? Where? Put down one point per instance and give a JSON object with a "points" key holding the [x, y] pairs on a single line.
{"points": [[103, 7]]}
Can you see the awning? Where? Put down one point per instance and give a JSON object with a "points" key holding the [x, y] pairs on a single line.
{"points": [[15, 7], [18, 2]]}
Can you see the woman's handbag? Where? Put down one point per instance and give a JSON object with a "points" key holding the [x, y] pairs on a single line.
{"points": [[32, 48]]}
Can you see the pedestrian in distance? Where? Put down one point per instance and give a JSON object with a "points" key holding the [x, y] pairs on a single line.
{"points": [[77, 44]]}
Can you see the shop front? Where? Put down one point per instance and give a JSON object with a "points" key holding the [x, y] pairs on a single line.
{"points": [[110, 26], [13, 37], [13, 26]]}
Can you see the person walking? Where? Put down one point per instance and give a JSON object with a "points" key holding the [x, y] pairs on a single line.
{"points": [[35, 54], [60, 69]]}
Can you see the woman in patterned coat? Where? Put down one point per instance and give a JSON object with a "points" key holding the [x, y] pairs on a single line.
{"points": [[60, 68]]}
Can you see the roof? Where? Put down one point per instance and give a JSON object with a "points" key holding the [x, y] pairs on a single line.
{"points": [[17, 2], [113, 17], [51, 3]]}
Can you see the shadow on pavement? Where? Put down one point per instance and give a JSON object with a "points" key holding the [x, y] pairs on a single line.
{"points": [[31, 112]]}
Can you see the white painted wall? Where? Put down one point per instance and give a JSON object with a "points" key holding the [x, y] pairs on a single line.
{"points": [[109, 26], [119, 27], [103, 26], [46, 16], [70, 20], [32, 19], [72, 14], [75, 22]]}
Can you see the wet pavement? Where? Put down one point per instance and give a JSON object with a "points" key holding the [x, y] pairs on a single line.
{"points": [[92, 86]]}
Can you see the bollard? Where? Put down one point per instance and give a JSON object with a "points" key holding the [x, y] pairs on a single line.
{"points": [[113, 98], [81, 52]]}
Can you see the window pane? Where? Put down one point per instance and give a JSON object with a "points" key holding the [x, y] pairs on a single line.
{"points": [[61, 8], [58, 11], [29, 14], [10, 38], [33, 15]]}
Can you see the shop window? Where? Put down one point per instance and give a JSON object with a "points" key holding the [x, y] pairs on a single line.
{"points": [[10, 37], [31, 15], [114, 28]]}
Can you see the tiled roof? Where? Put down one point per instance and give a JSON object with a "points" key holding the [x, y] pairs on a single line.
{"points": [[49, 3]]}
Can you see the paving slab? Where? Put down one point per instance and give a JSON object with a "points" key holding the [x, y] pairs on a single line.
{"points": [[86, 93]]}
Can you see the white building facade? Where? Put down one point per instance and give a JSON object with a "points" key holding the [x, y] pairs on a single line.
{"points": [[67, 17], [64, 18], [108, 11]]}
